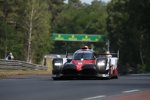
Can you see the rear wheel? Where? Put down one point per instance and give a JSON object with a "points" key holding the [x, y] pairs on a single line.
{"points": [[110, 73], [116, 77], [56, 77], [116, 74]]}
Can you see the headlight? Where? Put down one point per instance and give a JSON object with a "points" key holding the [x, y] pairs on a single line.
{"points": [[101, 63], [57, 64]]}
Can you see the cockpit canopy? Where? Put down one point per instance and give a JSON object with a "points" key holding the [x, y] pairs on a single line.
{"points": [[83, 55]]}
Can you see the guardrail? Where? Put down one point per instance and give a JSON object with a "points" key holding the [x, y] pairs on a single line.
{"points": [[16, 64]]}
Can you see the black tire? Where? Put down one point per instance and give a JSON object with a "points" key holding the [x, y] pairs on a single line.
{"points": [[110, 74], [115, 77], [56, 78]]}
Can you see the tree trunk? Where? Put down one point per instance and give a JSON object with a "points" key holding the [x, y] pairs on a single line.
{"points": [[141, 53], [29, 54]]}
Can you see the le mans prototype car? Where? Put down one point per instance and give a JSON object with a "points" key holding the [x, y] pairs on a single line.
{"points": [[85, 64]]}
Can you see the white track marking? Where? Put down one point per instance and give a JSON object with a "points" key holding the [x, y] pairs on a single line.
{"points": [[130, 91], [96, 97]]}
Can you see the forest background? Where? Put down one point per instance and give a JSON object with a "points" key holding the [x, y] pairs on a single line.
{"points": [[26, 27]]}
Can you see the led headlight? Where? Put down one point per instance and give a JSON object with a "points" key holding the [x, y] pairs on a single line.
{"points": [[101, 63], [57, 64]]}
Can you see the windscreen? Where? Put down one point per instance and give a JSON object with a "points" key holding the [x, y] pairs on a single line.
{"points": [[86, 56]]}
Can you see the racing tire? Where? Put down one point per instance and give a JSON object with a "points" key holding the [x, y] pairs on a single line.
{"points": [[57, 78], [110, 74], [116, 77]]}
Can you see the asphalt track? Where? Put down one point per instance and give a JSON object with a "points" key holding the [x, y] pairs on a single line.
{"points": [[44, 88]]}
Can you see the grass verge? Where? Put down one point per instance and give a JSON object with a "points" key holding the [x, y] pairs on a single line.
{"points": [[19, 73], [12, 73]]}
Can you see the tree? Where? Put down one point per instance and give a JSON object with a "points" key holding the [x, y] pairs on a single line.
{"points": [[35, 24], [128, 31], [78, 18], [8, 34], [55, 8], [140, 21]]}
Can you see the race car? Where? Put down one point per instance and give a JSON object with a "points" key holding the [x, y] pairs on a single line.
{"points": [[85, 64]]}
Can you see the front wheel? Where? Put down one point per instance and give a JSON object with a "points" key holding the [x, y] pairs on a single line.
{"points": [[56, 78], [110, 73], [116, 74]]}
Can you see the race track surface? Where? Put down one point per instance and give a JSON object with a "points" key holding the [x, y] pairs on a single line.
{"points": [[44, 88]]}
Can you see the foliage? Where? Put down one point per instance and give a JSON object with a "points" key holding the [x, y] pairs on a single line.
{"points": [[9, 37], [128, 31], [26, 25], [78, 18], [16, 26], [34, 20]]}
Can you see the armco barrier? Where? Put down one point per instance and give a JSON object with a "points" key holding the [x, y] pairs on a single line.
{"points": [[16, 64]]}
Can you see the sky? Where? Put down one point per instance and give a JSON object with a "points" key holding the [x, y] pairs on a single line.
{"points": [[89, 1]]}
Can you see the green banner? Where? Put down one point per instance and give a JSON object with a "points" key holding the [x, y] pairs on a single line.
{"points": [[79, 37]]}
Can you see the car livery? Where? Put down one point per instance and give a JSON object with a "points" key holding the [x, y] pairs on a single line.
{"points": [[85, 64]]}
